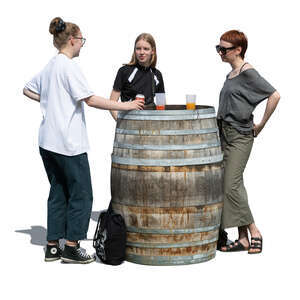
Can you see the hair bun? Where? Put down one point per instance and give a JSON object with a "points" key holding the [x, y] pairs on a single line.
{"points": [[57, 25], [61, 26]]}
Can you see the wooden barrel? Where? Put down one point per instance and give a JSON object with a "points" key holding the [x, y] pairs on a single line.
{"points": [[166, 181]]}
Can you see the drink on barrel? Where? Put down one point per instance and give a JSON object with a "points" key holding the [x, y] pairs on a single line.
{"points": [[140, 97], [191, 102], [160, 101]]}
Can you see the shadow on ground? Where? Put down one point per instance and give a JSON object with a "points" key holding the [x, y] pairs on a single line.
{"points": [[37, 233], [95, 215]]}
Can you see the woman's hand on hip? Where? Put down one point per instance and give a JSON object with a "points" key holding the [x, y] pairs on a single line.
{"points": [[257, 128]]}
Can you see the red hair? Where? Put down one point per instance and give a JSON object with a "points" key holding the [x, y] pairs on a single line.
{"points": [[237, 39]]}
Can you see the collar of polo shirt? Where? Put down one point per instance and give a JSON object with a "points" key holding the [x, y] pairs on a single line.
{"points": [[140, 67]]}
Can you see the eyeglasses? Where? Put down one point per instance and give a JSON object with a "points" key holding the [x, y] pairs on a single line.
{"points": [[223, 50], [80, 38]]}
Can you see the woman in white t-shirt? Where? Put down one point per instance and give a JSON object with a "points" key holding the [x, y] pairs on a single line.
{"points": [[62, 89]]}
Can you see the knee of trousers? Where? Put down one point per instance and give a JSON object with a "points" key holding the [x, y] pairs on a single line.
{"points": [[234, 194], [88, 199], [232, 187]]}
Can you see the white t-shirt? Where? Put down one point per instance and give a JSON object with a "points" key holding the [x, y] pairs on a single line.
{"points": [[61, 85]]}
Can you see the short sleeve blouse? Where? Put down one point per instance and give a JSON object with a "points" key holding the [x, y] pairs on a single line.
{"points": [[239, 97]]}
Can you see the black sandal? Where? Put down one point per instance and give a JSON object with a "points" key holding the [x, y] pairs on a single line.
{"points": [[223, 240], [235, 248], [255, 245]]}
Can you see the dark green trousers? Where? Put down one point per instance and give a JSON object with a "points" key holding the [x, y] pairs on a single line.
{"points": [[70, 198], [237, 148]]}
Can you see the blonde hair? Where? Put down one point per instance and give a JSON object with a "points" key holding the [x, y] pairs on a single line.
{"points": [[148, 38], [62, 31]]}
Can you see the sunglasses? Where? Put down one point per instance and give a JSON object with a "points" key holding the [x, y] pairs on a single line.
{"points": [[223, 50]]}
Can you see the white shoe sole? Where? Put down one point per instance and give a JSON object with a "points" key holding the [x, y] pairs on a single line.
{"points": [[52, 259], [72, 261]]}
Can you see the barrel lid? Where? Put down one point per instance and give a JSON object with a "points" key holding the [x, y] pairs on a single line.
{"points": [[171, 112]]}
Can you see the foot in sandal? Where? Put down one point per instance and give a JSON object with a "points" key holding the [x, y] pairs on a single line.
{"points": [[256, 245], [237, 245]]}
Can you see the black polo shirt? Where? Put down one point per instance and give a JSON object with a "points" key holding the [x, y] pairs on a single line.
{"points": [[136, 79]]}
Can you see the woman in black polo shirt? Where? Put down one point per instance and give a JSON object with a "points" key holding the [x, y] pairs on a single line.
{"points": [[139, 76]]}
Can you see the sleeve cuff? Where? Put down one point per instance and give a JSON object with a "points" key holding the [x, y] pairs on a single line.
{"points": [[81, 97]]}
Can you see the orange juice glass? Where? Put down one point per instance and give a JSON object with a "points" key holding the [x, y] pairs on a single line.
{"points": [[190, 102], [191, 106], [160, 101]]}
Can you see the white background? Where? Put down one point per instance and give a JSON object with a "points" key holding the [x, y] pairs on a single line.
{"points": [[186, 33]]}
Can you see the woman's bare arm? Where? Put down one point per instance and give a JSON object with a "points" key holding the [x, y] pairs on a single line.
{"points": [[102, 103], [32, 95], [114, 96], [270, 107]]}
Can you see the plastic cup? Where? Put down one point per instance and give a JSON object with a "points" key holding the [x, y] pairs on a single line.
{"points": [[190, 102], [140, 97], [160, 101]]}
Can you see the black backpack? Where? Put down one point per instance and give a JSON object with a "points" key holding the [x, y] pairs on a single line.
{"points": [[110, 237]]}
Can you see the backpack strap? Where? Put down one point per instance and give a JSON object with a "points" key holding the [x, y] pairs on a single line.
{"points": [[108, 212], [110, 209]]}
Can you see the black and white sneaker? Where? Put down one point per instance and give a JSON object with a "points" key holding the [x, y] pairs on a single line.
{"points": [[53, 252], [73, 254]]}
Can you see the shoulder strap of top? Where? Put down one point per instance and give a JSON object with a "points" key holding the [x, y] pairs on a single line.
{"points": [[242, 67]]}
